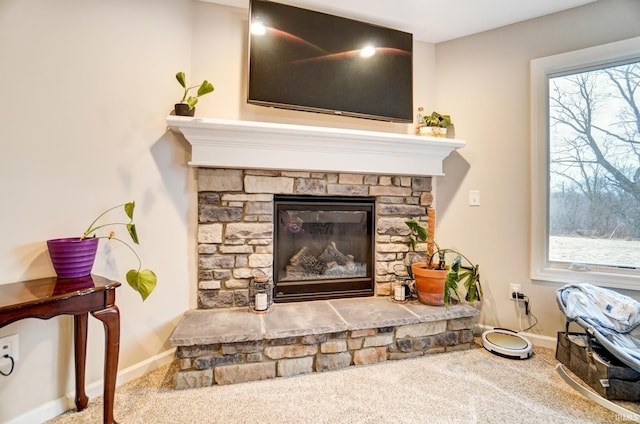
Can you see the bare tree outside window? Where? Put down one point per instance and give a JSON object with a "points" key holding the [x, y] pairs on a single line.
{"points": [[594, 166]]}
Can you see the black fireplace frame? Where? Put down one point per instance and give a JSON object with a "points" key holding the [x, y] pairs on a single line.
{"points": [[323, 289]]}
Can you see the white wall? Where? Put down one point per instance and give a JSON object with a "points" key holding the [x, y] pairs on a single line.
{"points": [[483, 82], [86, 86]]}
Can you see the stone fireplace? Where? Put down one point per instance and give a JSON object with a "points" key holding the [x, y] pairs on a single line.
{"points": [[242, 165], [247, 173]]}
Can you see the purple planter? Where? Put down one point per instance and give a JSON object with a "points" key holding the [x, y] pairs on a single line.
{"points": [[72, 257]]}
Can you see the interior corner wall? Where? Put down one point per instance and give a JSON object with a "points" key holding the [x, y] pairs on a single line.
{"points": [[483, 82], [90, 84]]}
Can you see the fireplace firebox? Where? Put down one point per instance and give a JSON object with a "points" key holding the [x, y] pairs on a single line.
{"points": [[323, 247]]}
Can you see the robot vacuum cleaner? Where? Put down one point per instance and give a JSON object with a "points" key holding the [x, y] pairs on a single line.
{"points": [[507, 343]]}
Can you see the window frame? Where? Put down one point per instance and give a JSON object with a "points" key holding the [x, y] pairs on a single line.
{"points": [[540, 268]]}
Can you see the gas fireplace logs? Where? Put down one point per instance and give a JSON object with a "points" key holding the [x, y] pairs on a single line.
{"points": [[331, 262]]}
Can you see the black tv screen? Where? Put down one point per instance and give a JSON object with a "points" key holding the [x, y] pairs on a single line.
{"points": [[306, 60]]}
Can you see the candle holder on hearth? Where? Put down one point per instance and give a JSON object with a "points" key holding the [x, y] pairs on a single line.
{"points": [[401, 285], [260, 292]]}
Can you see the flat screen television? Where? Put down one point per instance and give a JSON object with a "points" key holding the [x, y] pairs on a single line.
{"points": [[307, 60]]}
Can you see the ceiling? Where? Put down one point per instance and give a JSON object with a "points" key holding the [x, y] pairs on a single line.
{"points": [[433, 21]]}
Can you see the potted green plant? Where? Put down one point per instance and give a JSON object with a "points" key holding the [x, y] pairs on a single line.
{"points": [[437, 279], [186, 105], [435, 125], [73, 257]]}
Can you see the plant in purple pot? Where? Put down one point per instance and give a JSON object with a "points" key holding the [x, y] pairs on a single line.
{"points": [[141, 280]]}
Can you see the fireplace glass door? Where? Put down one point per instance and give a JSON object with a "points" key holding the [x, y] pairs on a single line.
{"points": [[323, 247]]}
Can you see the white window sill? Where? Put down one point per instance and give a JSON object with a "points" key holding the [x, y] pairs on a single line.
{"points": [[621, 279]]}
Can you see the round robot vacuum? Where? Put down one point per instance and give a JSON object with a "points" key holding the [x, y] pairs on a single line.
{"points": [[507, 343]]}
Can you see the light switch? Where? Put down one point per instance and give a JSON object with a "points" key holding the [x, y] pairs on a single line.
{"points": [[474, 197]]}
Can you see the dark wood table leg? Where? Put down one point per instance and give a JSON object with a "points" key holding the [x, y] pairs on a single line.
{"points": [[80, 352], [110, 317]]}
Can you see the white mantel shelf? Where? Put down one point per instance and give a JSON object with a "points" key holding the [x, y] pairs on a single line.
{"points": [[220, 143]]}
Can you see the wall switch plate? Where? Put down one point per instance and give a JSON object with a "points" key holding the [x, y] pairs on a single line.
{"points": [[8, 346], [474, 198]]}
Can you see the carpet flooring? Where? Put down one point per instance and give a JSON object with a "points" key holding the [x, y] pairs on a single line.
{"points": [[472, 386]]}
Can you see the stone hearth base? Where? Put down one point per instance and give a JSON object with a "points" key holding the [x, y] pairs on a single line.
{"points": [[234, 345]]}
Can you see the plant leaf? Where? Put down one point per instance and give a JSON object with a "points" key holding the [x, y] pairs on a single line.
{"points": [[419, 231], [128, 209], [457, 263], [470, 278], [143, 282], [191, 101], [450, 284], [414, 243], [131, 228], [181, 79], [205, 88]]}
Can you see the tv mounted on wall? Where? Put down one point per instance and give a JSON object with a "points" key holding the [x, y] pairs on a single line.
{"points": [[306, 60]]}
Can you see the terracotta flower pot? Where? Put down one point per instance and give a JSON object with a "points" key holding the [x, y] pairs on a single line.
{"points": [[72, 257], [429, 283]]}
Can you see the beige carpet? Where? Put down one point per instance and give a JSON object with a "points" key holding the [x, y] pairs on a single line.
{"points": [[471, 386]]}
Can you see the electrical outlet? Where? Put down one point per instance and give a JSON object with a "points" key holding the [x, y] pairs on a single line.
{"points": [[514, 288], [8, 346]]}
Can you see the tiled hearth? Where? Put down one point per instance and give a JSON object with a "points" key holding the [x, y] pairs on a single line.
{"points": [[241, 166]]}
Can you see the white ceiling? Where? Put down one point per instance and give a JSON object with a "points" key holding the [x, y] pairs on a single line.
{"points": [[433, 21]]}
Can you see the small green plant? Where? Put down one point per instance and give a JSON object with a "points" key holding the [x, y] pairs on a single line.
{"points": [[205, 88], [141, 280], [468, 275], [437, 120]]}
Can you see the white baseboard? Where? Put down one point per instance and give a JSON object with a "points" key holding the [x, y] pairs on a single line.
{"points": [[58, 406], [42, 413], [126, 375], [536, 339]]}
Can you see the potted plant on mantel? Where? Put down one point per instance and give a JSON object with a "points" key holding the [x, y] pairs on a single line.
{"points": [[186, 105], [437, 281], [73, 257], [435, 125]]}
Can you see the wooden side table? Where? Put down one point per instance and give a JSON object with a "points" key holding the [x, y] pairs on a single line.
{"points": [[45, 298]]}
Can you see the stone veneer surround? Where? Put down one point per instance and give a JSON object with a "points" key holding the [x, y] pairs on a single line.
{"points": [[235, 223]]}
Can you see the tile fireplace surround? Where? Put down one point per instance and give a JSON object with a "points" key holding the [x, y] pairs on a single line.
{"points": [[241, 165]]}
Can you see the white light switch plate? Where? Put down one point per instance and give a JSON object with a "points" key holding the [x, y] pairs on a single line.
{"points": [[474, 198]]}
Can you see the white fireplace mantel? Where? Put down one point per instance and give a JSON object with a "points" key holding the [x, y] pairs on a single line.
{"points": [[220, 143]]}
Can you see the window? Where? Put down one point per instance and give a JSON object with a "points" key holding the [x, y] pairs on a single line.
{"points": [[586, 166]]}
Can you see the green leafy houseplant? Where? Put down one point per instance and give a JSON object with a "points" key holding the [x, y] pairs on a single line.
{"points": [[460, 270], [142, 280], [205, 88], [437, 120]]}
